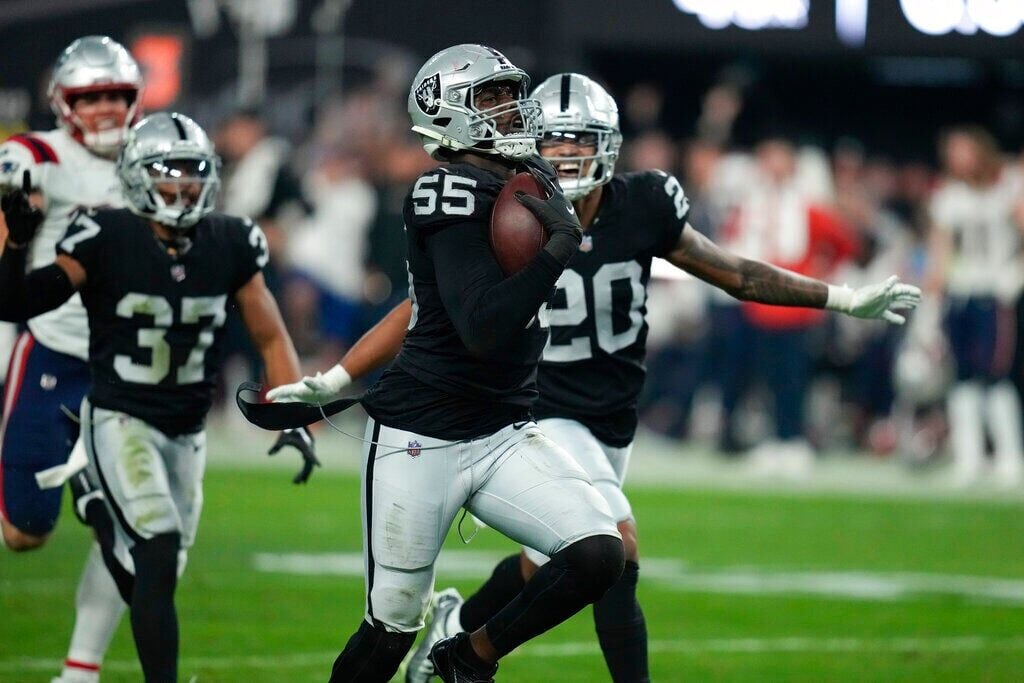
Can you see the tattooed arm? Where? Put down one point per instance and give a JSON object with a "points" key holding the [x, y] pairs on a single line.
{"points": [[744, 279], [750, 280]]}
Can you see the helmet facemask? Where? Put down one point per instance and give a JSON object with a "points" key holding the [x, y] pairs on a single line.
{"points": [[503, 120], [169, 171], [105, 142], [579, 175], [173, 189]]}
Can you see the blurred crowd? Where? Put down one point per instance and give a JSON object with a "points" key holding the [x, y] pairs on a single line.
{"points": [[777, 384]]}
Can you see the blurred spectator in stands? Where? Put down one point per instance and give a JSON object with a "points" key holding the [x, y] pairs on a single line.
{"points": [[721, 106], [975, 263], [324, 297], [679, 342], [780, 222], [643, 110], [256, 182], [387, 280], [653, 149], [864, 354]]}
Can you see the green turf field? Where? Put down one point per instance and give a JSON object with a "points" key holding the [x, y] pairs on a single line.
{"points": [[737, 586]]}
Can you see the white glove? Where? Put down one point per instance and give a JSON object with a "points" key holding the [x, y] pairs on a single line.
{"points": [[321, 388], [875, 301]]}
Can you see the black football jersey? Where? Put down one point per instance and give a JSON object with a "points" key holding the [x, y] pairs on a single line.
{"points": [[593, 369], [436, 386], [156, 320]]}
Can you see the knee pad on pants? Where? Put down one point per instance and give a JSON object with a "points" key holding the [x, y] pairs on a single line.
{"points": [[399, 598], [596, 563]]}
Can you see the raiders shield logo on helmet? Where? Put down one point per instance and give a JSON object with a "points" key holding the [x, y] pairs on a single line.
{"points": [[428, 95]]}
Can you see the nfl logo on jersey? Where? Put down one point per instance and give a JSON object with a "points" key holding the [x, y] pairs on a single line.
{"points": [[414, 449]]}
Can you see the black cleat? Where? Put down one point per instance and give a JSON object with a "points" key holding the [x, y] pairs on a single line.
{"points": [[451, 668]]}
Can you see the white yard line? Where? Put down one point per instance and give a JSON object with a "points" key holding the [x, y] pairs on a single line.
{"points": [[674, 574], [694, 646]]}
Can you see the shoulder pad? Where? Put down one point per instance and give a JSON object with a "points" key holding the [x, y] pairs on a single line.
{"points": [[41, 150]]}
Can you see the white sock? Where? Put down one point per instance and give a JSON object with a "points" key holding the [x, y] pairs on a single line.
{"points": [[1003, 411], [453, 624], [966, 431], [98, 610]]}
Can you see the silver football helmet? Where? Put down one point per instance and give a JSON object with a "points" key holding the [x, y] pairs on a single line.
{"points": [[445, 111], [168, 154], [92, 64], [578, 110]]}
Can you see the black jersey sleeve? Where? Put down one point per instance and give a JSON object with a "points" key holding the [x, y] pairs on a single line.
{"points": [[487, 308], [27, 295], [250, 250], [84, 240], [673, 209]]}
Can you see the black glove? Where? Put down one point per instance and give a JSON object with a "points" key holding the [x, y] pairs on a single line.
{"points": [[21, 217], [555, 213], [302, 440]]}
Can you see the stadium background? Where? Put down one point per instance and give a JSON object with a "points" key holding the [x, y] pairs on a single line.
{"points": [[872, 564]]}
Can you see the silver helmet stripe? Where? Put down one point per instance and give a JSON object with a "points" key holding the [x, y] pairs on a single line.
{"points": [[574, 104]]}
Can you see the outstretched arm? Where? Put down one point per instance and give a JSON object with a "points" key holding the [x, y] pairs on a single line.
{"points": [[742, 278], [380, 344], [377, 347], [266, 328], [750, 280]]}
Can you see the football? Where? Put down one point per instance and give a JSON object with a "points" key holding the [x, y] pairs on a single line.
{"points": [[516, 234]]}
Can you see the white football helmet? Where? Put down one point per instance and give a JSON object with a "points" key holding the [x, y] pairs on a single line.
{"points": [[93, 64], [170, 150], [443, 110], [577, 109]]}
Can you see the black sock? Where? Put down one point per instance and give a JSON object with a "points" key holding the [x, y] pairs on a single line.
{"points": [[467, 655], [621, 629], [506, 583], [575, 577], [154, 620], [371, 655]]}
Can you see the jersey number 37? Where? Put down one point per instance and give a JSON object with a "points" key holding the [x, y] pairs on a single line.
{"points": [[193, 310]]}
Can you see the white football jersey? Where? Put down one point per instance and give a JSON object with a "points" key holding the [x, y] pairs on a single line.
{"points": [[984, 236], [68, 176]]}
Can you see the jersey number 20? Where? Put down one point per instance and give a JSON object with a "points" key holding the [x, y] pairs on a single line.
{"points": [[575, 312]]}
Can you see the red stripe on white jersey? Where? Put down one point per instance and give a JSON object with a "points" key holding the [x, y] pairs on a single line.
{"points": [[15, 376]]}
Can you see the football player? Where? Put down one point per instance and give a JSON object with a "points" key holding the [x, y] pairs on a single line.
{"points": [[94, 92], [450, 423], [155, 280], [592, 368], [977, 215]]}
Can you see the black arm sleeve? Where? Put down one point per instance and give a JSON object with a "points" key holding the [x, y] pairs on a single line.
{"points": [[26, 296], [488, 310]]}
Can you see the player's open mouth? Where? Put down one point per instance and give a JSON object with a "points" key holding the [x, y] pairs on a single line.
{"points": [[569, 169]]}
